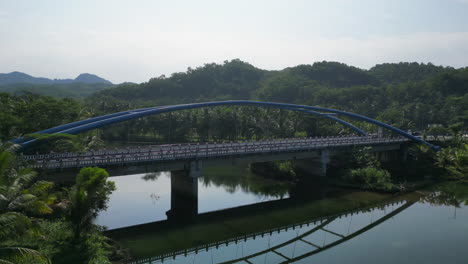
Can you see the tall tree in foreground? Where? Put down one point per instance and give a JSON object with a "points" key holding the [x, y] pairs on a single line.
{"points": [[18, 198], [88, 197]]}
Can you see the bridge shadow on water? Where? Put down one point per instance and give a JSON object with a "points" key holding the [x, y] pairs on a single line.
{"points": [[281, 231]]}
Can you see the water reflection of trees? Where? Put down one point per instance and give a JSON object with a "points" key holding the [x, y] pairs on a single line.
{"points": [[152, 176], [233, 179], [449, 194]]}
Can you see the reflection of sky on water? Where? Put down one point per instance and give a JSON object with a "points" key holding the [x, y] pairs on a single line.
{"points": [[422, 233], [138, 201], [211, 197]]}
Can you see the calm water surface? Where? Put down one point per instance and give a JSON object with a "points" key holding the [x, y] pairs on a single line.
{"points": [[143, 198], [430, 226]]}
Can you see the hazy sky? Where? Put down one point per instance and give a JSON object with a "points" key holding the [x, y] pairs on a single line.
{"points": [[136, 40]]}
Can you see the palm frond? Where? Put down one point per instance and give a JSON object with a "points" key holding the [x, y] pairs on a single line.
{"points": [[25, 177], [22, 202], [13, 224], [40, 207], [41, 187], [50, 199], [22, 255], [30, 203]]}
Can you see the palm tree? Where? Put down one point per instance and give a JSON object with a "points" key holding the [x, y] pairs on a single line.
{"points": [[16, 199], [88, 197], [454, 160]]}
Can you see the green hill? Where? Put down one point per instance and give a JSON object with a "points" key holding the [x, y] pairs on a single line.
{"points": [[408, 95], [69, 90]]}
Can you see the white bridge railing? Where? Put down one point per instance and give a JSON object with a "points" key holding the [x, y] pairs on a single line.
{"points": [[155, 153]]}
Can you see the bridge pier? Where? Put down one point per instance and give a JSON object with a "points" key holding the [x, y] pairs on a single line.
{"points": [[324, 160], [195, 168], [404, 153], [393, 155], [184, 196], [315, 166]]}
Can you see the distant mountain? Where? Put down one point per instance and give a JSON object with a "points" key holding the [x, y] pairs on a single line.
{"points": [[57, 90], [19, 77], [90, 78], [23, 78]]}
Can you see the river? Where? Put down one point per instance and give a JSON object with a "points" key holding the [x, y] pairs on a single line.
{"points": [[244, 218]]}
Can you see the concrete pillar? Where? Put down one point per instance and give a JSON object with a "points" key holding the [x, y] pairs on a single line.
{"points": [[196, 168], [315, 166], [184, 196], [403, 152], [324, 160]]}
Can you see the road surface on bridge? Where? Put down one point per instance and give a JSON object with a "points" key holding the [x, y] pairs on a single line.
{"points": [[194, 151]]}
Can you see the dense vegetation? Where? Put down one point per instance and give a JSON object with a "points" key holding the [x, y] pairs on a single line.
{"points": [[28, 113], [407, 95], [40, 222]]}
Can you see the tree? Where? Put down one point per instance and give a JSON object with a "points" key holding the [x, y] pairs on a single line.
{"points": [[88, 197], [46, 143], [437, 131], [18, 197], [372, 178], [454, 160]]}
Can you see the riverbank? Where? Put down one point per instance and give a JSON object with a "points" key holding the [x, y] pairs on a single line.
{"points": [[405, 187]]}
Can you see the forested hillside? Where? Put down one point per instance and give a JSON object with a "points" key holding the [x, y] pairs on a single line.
{"points": [[407, 95], [65, 90], [234, 79], [405, 72]]}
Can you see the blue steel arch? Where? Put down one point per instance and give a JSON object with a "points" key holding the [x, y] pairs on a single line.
{"points": [[97, 122], [61, 128], [58, 129]]}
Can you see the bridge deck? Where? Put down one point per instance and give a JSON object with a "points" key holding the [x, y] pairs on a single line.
{"points": [[194, 151]]}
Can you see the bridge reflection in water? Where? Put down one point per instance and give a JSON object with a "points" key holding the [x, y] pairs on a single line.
{"points": [[286, 244]]}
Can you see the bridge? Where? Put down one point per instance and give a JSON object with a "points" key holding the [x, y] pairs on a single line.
{"points": [[105, 120], [190, 156], [175, 156], [186, 160]]}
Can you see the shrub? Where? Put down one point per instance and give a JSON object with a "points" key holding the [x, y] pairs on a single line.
{"points": [[371, 178], [454, 160]]}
